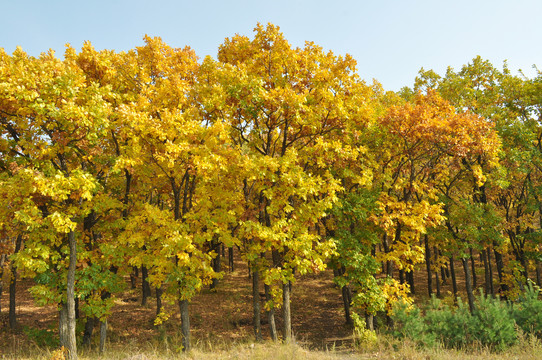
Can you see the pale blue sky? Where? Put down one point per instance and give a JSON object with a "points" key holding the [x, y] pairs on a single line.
{"points": [[390, 39]]}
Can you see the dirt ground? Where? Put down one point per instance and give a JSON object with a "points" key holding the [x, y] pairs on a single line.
{"points": [[218, 317]]}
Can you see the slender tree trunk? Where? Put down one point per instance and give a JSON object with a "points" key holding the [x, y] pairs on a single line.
{"points": [[444, 272], [443, 276], [185, 325], [216, 267], [256, 305], [286, 313], [103, 335], [346, 302], [437, 282], [402, 276], [428, 266], [369, 321], [500, 268], [524, 263], [12, 317], [346, 295], [492, 288], [133, 277], [70, 303], [145, 287], [410, 280], [474, 279], [470, 295], [89, 329], [271, 315], [158, 300], [454, 280], [487, 286], [389, 264], [389, 268], [230, 258]]}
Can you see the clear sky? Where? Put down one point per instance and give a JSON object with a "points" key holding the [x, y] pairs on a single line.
{"points": [[390, 39]]}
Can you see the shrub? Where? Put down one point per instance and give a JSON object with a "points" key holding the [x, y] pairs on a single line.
{"points": [[409, 324], [527, 312], [491, 324]]}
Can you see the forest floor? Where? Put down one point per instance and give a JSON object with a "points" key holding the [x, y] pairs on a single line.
{"points": [[218, 317], [221, 320]]}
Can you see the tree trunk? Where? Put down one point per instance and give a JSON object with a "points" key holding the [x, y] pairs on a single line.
{"points": [[369, 321], [474, 279], [256, 305], [487, 280], [103, 335], [286, 313], [133, 277], [271, 315], [347, 301], [63, 325], [437, 282], [145, 287], [444, 274], [524, 263], [216, 267], [401, 276], [230, 258], [410, 280], [346, 295], [452, 271], [468, 283], [158, 300], [491, 287], [500, 268], [12, 317], [389, 268], [70, 301], [389, 264], [89, 329], [444, 270], [428, 266], [185, 325]]}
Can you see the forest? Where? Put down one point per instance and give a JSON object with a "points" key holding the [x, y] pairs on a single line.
{"points": [[159, 164]]}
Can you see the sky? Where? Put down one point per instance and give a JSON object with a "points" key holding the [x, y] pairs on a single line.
{"points": [[390, 39]]}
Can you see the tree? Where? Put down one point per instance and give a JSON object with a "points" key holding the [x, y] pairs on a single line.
{"points": [[282, 104]]}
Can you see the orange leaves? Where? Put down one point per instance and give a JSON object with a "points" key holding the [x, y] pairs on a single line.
{"points": [[434, 122]]}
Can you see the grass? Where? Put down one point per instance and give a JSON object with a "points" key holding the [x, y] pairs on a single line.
{"points": [[222, 330], [528, 348]]}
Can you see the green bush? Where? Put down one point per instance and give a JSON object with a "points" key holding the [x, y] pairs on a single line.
{"points": [[528, 311], [449, 327], [409, 324], [491, 324]]}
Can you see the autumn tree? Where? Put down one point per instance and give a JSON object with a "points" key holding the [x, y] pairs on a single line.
{"points": [[510, 103], [283, 103], [55, 122]]}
